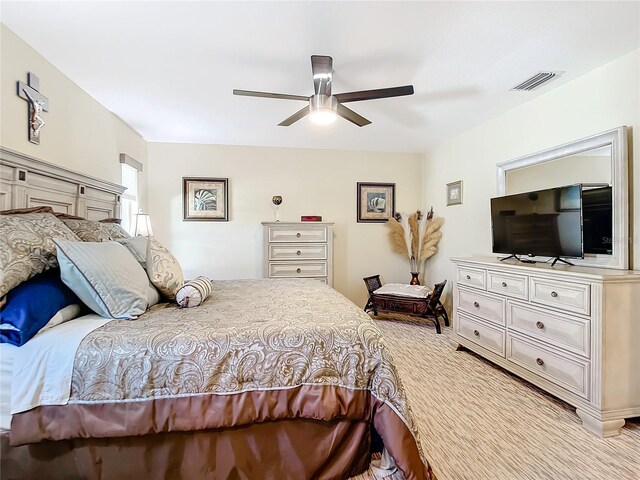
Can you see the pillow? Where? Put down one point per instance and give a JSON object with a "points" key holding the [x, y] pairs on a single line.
{"points": [[163, 269], [26, 246], [194, 292], [106, 277], [20, 211], [39, 303], [111, 220], [114, 230], [90, 231], [138, 248]]}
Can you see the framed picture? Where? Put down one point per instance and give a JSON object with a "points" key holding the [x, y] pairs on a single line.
{"points": [[205, 199], [454, 193], [376, 202]]}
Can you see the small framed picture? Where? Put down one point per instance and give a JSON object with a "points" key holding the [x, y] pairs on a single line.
{"points": [[376, 202], [454, 193], [205, 199]]}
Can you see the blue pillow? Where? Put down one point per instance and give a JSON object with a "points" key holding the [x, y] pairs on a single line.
{"points": [[31, 305]]}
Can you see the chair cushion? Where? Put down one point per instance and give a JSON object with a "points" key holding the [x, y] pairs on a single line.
{"points": [[416, 291]]}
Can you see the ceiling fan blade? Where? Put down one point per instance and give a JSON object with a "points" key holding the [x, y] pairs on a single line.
{"points": [[373, 94], [280, 96], [322, 68], [352, 116], [295, 117]]}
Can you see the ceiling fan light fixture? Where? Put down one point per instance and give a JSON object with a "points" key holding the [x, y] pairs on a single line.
{"points": [[323, 109]]}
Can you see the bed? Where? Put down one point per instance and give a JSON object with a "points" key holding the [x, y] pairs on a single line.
{"points": [[266, 379]]}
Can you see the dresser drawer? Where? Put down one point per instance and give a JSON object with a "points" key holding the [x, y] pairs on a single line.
{"points": [[297, 269], [567, 372], [471, 277], [516, 286], [574, 297], [489, 308], [560, 330], [298, 233], [301, 251], [477, 332]]}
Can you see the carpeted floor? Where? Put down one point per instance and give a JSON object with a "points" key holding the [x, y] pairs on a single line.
{"points": [[479, 422]]}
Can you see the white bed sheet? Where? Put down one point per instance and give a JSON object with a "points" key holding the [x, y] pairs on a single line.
{"points": [[7, 354], [43, 367]]}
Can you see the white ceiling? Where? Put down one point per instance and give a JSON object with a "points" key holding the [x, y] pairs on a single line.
{"points": [[168, 68]]}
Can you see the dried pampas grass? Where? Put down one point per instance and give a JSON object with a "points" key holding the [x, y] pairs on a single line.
{"points": [[396, 236], [415, 236]]}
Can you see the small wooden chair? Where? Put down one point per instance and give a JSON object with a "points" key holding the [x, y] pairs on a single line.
{"points": [[429, 307]]}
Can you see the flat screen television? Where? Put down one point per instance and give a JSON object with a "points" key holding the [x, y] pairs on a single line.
{"points": [[541, 223]]}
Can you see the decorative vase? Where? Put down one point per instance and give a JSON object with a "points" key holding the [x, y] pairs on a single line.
{"points": [[414, 278], [277, 201]]}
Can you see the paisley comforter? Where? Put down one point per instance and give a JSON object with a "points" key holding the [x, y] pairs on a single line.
{"points": [[255, 351]]}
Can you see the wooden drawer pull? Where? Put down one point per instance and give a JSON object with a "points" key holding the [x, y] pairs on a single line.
{"points": [[554, 294], [504, 284], [476, 304], [539, 361], [298, 252], [476, 333], [468, 277], [298, 235], [540, 325], [298, 270]]}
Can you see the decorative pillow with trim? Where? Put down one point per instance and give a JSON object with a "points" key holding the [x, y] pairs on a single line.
{"points": [[40, 303], [194, 292], [163, 269], [92, 231], [106, 277], [138, 248], [26, 246]]}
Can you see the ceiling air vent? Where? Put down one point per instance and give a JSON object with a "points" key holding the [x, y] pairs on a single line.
{"points": [[537, 80]]}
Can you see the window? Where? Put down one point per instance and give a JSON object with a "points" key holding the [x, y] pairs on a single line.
{"points": [[129, 199]]}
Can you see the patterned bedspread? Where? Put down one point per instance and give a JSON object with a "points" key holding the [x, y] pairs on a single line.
{"points": [[249, 337]]}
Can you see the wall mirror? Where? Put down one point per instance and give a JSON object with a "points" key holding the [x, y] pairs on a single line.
{"points": [[596, 162]]}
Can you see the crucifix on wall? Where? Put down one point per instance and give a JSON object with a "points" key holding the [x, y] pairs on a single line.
{"points": [[38, 103]]}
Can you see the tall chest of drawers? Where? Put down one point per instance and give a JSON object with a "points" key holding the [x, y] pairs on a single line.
{"points": [[572, 331], [298, 250]]}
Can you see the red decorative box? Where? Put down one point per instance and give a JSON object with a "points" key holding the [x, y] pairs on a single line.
{"points": [[311, 218]]}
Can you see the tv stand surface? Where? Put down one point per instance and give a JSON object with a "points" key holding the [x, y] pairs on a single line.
{"points": [[558, 259], [572, 331]]}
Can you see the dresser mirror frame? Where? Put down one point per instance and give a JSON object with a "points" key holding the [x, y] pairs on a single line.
{"points": [[617, 140]]}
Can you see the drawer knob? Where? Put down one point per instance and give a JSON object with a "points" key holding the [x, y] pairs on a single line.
{"points": [[476, 304], [540, 325], [476, 333], [298, 252], [468, 277], [298, 235], [504, 284], [539, 361], [298, 270], [554, 294]]}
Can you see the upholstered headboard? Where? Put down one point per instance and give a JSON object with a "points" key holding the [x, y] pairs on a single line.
{"points": [[28, 182]]}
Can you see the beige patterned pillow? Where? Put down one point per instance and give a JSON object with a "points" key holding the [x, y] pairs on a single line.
{"points": [[26, 246], [90, 231], [163, 269]]}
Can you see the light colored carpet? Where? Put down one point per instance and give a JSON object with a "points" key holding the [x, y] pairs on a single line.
{"points": [[479, 422]]}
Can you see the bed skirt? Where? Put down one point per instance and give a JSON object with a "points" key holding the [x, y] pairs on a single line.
{"points": [[285, 449]]}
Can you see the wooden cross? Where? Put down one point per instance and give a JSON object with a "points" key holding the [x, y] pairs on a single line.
{"points": [[38, 103]]}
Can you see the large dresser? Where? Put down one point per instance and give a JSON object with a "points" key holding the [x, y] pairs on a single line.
{"points": [[298, 250], [572, 331]]}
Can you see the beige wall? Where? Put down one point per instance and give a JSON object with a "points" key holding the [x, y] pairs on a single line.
{"points": [[79, 134], [312, 182], [605, 98]]}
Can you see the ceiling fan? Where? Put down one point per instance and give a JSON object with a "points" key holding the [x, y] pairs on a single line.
{"points": [[323, 106]]}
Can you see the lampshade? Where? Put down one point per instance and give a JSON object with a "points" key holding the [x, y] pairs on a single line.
{"points": [[143, 225]]}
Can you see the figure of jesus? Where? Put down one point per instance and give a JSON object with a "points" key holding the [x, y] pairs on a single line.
{"points": [[37, 122]]}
